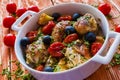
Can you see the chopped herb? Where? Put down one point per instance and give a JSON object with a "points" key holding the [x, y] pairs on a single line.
{"points": [[14, 15], [95, 5], [116, 60], [87, 17], [72, 56], [60, 31], [12, 61], [109, 16], [79, 18], [7, 73], [39, 35], [52, 40], [87, 43], [32, 54], [65, 34], [70, 44], [57, 68], [28, 77], [83, 58], [72, 22], [63, 51], [19, 73]]}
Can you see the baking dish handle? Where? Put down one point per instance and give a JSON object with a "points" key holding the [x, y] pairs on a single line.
{"points": [[109, 55], [15, 26]]}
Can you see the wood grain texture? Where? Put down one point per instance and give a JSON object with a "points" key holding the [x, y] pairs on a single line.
{"points": [[7, 54]]}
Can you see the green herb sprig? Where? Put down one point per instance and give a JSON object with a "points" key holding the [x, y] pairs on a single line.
{"points": [[70, 44], [19, 73], [116, 60], [7, 73]]}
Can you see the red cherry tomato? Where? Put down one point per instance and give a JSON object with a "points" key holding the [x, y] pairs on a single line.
{"points": [[33, 8], [32, 35], [20, 11], [70, 38], [47, 29], [117, 28], [9, 40], [55, 49], [95, 47], [8, 21], [67, 17], [11, 7], [40, 68], [51, 23], [104, 8]]}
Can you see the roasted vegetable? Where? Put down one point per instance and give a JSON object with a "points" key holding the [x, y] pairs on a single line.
{"points": [[44, 18]]}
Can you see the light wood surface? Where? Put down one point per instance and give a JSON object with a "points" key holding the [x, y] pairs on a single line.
{"points": [[7, 54]]}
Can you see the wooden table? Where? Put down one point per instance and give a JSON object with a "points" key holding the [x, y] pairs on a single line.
{"points": [[7, 54]]}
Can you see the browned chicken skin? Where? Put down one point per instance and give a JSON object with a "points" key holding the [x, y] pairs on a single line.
{"points": [[86, 23], [82, 49], [58, 31]]}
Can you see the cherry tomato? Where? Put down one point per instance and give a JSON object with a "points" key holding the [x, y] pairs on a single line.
{"points": [[40, 68], [9, 40], [20, 11], [117, 28], [11, 7], [104, 8], [33, 8], [47, 29], [32, 35], [55, 49], [8, 21], [51, 23], [95, 47], [70, 38], [67, 17]]}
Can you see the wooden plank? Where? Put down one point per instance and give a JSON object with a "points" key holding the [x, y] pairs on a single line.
{"points": [[4, 54]]}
